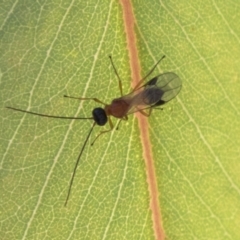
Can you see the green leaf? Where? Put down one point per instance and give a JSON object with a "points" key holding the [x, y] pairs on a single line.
{"points": [[48, 49]]}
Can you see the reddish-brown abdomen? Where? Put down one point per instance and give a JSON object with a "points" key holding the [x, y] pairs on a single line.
{"points": [[118, 108]]}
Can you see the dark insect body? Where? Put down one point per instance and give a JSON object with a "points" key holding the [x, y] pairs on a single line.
{"points": [[143, 98]]}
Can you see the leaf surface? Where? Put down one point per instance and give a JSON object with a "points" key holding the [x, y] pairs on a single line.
{"points": [[48, 49]]}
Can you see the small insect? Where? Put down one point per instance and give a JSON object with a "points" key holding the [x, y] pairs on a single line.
{"points": [[143, 98]]}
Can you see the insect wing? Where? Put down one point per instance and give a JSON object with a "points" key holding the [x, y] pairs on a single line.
{"points": [[155, 92], [162, 89]]}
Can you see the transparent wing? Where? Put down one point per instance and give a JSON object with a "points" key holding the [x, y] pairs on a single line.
{"points": [[155, 92], [162, 88]]}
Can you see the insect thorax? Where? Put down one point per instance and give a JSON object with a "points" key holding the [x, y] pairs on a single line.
{"points": [[118, 108]]}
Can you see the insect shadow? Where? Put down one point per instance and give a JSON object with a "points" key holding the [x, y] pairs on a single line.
{"points": [[143, 98]]}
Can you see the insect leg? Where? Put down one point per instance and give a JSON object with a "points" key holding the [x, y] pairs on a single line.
{"points": [[146, 114], [119, 79], [94, 99], [150, 72], [102, 132], [125, 118]]}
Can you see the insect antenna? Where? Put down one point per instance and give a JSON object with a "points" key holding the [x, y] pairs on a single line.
{"points": [[45, 115], [80, 154], [75, 168]]}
